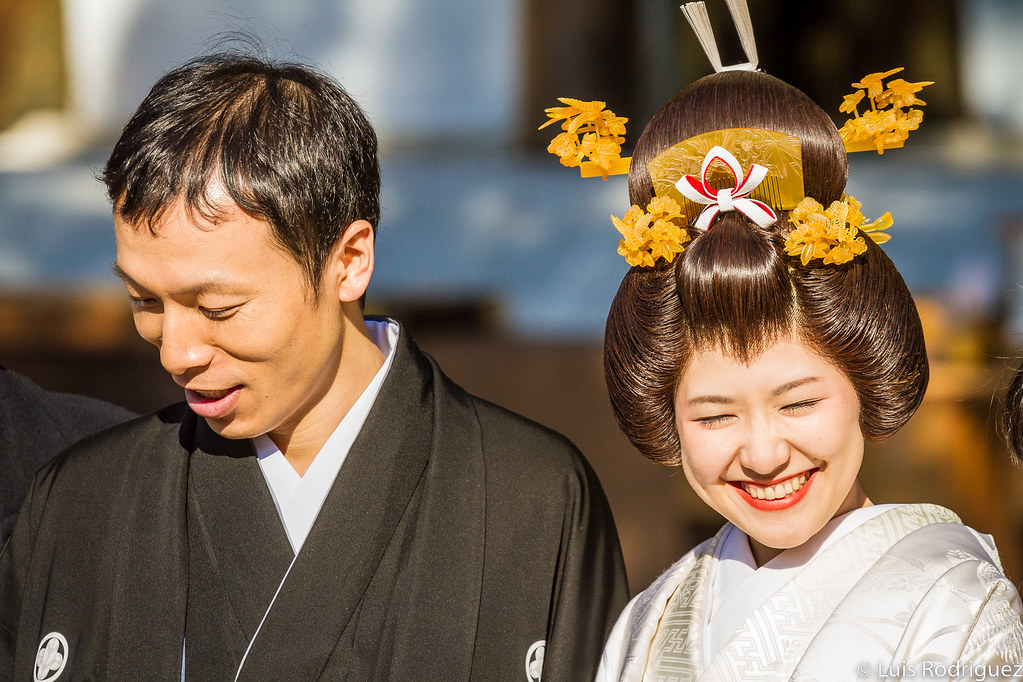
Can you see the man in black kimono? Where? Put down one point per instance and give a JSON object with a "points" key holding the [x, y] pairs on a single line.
{"points": [[34, 426], [326, 504]]}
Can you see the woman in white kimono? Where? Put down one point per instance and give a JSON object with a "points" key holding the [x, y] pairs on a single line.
{"points": [[757, 341]]}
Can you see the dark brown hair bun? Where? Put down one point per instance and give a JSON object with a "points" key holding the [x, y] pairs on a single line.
{"points": [[745, 99], [736, 289]]}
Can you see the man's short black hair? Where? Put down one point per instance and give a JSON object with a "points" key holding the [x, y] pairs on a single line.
{"points": [[286, 142]]}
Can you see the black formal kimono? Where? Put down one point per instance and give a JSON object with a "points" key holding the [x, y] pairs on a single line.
{"points": [[456, 538], [34, 426]]}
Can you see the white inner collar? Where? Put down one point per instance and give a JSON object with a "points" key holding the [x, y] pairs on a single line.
{"points": [[299, 498], [738, 587]]}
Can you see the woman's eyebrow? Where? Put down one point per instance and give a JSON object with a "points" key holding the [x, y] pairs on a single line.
{"points": [[786, 387], [710, 400]]}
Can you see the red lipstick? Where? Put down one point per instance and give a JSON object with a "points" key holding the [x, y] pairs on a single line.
{"points": [[777, 504]]}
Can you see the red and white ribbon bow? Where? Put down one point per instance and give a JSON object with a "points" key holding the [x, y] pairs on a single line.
{"points": [[734, 199]]}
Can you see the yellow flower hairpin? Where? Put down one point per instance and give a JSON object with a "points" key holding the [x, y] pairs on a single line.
{"points": [[590, 132], [832, 234], [657, 232], [891, 116]]}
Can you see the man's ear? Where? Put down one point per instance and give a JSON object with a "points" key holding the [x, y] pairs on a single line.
{"points": [[351, 262]]}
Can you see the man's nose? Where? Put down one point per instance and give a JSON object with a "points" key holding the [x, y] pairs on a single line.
{"points": [[184, 345]]}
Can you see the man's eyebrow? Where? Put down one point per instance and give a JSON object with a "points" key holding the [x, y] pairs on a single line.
{"points": [[123, 275], [212, 285]]}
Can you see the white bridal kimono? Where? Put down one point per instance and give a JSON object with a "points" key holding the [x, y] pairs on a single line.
{"points": [[892, 592]]}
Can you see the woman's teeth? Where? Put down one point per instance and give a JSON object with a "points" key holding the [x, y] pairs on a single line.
{"points": [[774, 492]]}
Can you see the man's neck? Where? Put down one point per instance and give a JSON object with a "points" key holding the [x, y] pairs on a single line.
{"points": [[361, 359]]}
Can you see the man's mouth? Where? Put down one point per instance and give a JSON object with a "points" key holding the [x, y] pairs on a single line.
{"points": [[209, 395], [212, 403]]}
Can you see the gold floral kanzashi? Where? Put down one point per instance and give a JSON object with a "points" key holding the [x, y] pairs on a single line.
{"points": [[832, 234], [657, 232], [891, 116], [590, 132]]}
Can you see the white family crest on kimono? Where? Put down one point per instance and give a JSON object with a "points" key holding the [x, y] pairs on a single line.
{"points": [[534, 660], [910, 586], [51, 658]]}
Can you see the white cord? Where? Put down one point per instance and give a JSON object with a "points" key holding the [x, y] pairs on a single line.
{"points": [[263, 620]]}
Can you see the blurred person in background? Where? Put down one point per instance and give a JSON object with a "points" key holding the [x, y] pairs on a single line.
{"points": [[326, 504], [1012, 415], [35, 425]]}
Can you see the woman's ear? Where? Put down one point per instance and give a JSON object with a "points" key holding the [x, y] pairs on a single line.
{"points": [[350, 266]]}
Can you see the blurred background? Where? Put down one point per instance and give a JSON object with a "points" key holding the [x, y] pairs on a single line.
{"points": [[501, 262]]}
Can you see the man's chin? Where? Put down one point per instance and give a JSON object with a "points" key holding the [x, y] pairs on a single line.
{"points": [[231, 428]]}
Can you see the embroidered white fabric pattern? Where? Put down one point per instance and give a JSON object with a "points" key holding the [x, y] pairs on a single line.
{"points": [[886, 591], [737, 587]]}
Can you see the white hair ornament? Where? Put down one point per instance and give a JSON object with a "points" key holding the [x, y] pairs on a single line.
{"points": [[728, 199], [696, 15]]}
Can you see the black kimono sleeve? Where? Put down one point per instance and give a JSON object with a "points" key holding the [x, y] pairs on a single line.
{"points": [[553, 556], [34, 426], [590, 587], [14, 560]]}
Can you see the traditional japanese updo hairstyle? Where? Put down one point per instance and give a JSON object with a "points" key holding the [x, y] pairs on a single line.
{"points": [[736, 289]]}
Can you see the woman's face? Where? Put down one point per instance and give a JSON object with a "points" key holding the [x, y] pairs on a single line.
{"points": [[774, 446]]}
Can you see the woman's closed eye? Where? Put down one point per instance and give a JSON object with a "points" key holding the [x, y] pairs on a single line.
{"points": [[715, 421], [801, 407]]}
